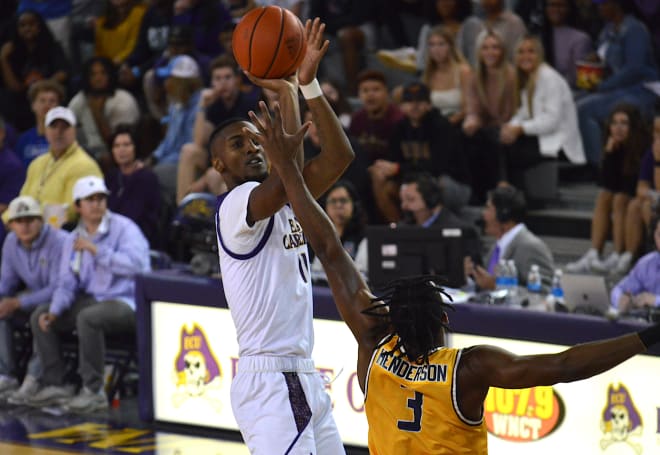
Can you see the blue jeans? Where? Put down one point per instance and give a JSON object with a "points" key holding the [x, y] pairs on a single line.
{"points": [[594, 109]]}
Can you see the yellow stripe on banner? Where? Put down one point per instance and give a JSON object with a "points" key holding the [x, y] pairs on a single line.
{"points": [[19, 449]]}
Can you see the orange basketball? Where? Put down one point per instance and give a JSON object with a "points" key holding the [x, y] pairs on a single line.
{"points": [[269, 42]]}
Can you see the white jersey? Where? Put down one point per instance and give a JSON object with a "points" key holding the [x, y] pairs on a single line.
{"points": [[266, 278]]}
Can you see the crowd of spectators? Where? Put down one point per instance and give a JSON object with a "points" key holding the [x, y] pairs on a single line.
{"points": [[106, 110]]}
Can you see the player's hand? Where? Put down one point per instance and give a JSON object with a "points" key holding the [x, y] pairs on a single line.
{"points": [[316, 49], [277, 85], [280, 147], [46, 320]]}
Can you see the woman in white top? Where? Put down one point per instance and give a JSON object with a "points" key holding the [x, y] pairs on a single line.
{"points": [[447, 75], [546, 120]]}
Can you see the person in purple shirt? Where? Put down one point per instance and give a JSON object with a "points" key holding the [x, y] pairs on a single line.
{"points": [[30, 257], [641, 287], [133, 187], [95, 295]]}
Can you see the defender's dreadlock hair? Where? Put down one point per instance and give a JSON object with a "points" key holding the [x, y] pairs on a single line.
{"points": [[416, 311]]}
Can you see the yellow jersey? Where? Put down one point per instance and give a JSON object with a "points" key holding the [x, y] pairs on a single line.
{"points": [[411, 408]]}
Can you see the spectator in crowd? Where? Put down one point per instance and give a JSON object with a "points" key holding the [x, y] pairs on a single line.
{"points": [[399, 21], [57, 15], [30, 258], [423, 140], [7, 12], [504, 22], [43, 96], [133, 187], [50, 177], [564, 44], [84, 15], [151, 43], [207, 19], [95, 295], [503, 215], [223, 100], [183, 86], [179, 42], [455, 16], [422, 204], [295, 6], [342, 204], [625, 144], [447, 75], [625, 48], [100, 106], [353, 26], [30, 55], [649, 12], [116, 32], [12, 172], [645, 202], [491, 102], [372, 126], [641, 287], [546, 121]]}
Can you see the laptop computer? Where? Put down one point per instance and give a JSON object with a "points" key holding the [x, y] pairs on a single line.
{"points": [[586, 293]]}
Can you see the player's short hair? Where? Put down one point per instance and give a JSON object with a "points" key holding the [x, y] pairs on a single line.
{"points": [[416, 310], [221, 126]]}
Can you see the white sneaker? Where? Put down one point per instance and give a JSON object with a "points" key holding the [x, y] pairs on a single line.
{"points": [[623, 265], [50, 395], [583, 265], [29, 388], [607, 265], [88, 401], [7, 384], [404, 58]]}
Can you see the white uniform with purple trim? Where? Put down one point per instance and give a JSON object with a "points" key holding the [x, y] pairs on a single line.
{"points": [[278, 397]]}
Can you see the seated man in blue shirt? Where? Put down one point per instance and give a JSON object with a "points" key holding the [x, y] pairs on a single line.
{"points": [[30, 257], [94, 295], [641, 287]]}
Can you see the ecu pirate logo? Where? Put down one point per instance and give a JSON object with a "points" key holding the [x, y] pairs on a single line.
{"points": [[197, 371], [621, 421]]}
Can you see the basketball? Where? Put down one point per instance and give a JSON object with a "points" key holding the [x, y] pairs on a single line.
{"points": [[269, 42]]}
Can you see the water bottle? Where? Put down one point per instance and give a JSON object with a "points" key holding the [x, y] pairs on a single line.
{"points": [[556, 291], [534, 286], [501, 275], [513, 282]]}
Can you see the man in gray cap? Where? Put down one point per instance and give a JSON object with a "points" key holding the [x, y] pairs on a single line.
{"points": [[95, 295], [30, 256]]}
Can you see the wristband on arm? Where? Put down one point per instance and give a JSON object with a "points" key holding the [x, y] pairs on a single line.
{"points": [[311, 90], [650, 336]]}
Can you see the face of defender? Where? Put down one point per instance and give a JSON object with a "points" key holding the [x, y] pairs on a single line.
{"points": [[237, 157]]}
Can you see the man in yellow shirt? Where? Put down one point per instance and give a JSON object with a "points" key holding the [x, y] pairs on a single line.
{"points": [[50, 177]]}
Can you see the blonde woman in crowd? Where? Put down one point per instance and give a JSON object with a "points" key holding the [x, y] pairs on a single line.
{"points": [[545, 123], [491, 102], [447, 75]]}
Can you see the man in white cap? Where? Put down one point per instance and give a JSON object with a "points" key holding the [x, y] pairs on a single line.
{"points": [[94, 295], [30, 256], [50, 177]]}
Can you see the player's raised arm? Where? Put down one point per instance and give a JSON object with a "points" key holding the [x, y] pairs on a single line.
{"points": [[350, 292], [486, 366], [336, 151]]}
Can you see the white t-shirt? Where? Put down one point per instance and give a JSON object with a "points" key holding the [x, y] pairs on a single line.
{"points": [[266, 278]]}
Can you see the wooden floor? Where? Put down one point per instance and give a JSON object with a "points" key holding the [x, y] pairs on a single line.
{"points": [[26, 431]]}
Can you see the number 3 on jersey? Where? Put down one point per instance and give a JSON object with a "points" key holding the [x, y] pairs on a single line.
{"points": [[414, 403], [303, 266]]}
